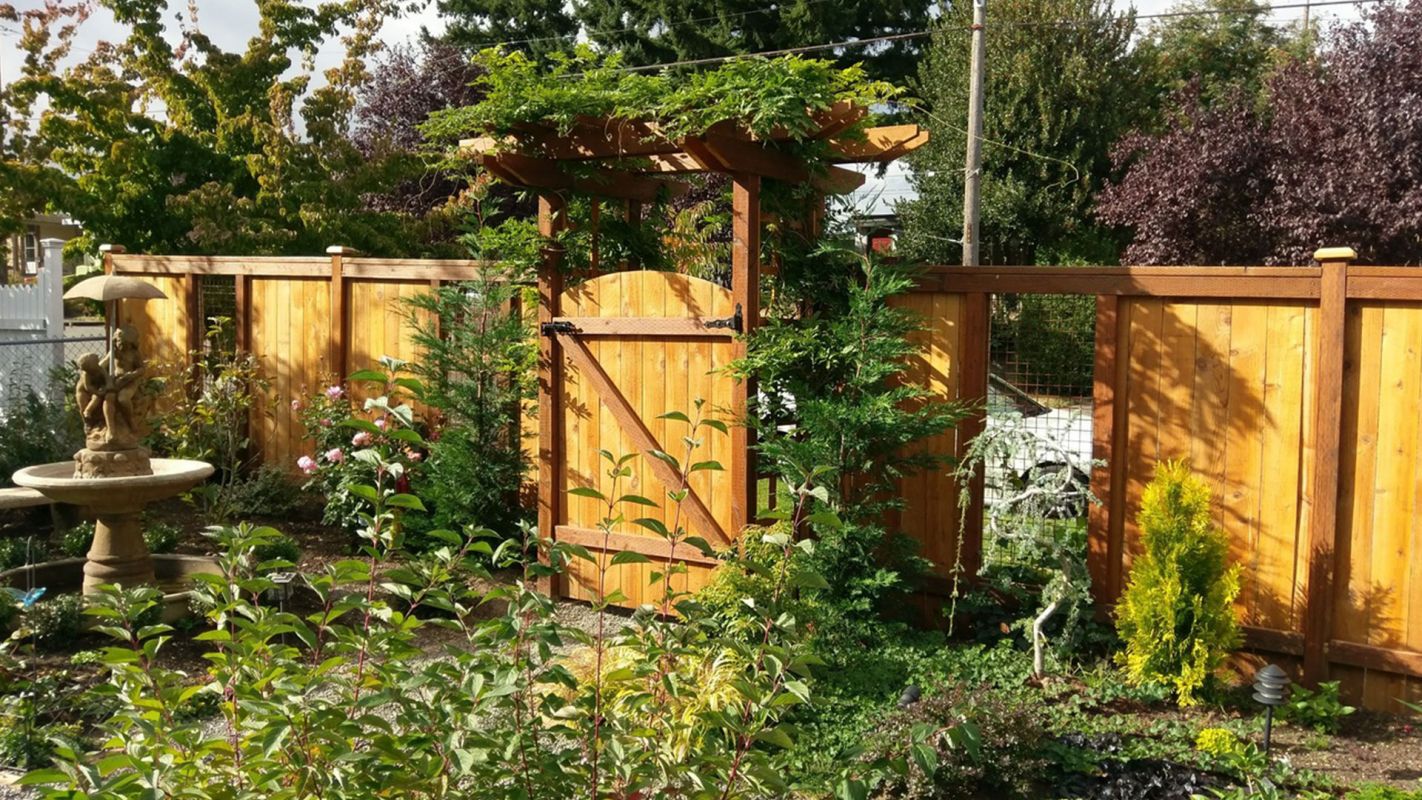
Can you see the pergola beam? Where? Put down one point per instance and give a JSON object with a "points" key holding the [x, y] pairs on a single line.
{"points": [[537, 173]]}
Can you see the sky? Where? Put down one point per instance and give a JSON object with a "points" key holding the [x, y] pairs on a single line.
{"points": [[230, 23]]}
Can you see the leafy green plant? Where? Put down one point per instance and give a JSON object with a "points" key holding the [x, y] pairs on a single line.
{"points": [[476, 367], [202, 407], [1319, 709], [75, 542], [54, 622], [161, 537], [957, 741], [833, 392], [1378, 791], [1219, 742], [268, 491], [38, 426], [1175, 617], [341, 702], [19, 551]]}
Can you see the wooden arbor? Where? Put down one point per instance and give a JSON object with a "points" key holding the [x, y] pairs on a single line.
{"points": [[620, 349]]}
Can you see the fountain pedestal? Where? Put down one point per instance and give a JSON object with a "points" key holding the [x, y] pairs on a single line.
{"points": [[119, 554]]}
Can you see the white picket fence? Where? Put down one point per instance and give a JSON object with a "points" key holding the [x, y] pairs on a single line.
{"points": [[32, 327]]}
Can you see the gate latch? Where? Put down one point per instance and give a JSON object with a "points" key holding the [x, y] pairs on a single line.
{"points": [[561, 326], [733, 322]]}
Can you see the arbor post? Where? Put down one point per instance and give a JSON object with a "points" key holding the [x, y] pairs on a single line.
{"points": [[745, 292], [551, 220]]}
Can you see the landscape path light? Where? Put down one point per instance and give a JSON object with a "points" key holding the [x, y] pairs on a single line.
{"points": [[1270, 685]]}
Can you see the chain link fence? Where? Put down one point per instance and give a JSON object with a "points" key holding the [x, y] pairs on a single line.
{"points": [[41, 366]]}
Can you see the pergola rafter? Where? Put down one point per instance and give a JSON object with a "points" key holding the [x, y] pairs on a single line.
{"points": [[633, 158]]}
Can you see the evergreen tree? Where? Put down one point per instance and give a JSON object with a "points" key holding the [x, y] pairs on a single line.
{"points": [[1057, 96], [536, 27], [662, 31]]}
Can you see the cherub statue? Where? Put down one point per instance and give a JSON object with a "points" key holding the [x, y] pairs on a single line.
{"points": [[124, 365], [89, 393]]}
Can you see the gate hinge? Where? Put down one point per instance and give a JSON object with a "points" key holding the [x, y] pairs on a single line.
{"points": [[551, 328], [733, 322]]}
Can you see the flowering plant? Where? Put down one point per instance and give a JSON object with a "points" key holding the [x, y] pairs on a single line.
{"points": [[340, 430]]}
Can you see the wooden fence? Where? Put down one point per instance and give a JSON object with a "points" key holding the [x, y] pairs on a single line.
{"points": [[308, 320], [1293, 391]]}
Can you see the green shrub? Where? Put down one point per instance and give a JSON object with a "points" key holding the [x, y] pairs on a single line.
{"points": [[54, 622], [1175, 617], [161, 537], [961, 742], [75, 542], [268, 491], [24, 742], [19, 551], [279, 547], [37, 430], [1319, 709], [1219, 742]]}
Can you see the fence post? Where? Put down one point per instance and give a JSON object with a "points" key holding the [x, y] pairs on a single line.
{"points": [[341, 324], [973, 386], [51, 286], [108, 251], [1328, 421], [1106, 449]]}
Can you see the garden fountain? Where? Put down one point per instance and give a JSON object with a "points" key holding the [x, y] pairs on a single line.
{"points": [[113, 476]]}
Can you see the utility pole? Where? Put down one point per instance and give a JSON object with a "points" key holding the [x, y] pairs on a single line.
{"points": [[973, 168]]}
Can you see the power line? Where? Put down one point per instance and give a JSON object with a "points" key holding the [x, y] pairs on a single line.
{"points": [[899, 37]]}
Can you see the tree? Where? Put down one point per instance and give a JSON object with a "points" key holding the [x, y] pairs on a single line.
{"points": [[1222, 45], [1056, 97], [662, 31], [535, 27], [407, 85], [190, 149], [1331, 158]]}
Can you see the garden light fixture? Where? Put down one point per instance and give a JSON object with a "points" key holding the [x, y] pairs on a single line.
{"points": [[1270, 684]]}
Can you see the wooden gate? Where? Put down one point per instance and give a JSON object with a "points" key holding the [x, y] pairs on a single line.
{"points": [[636, 345]]}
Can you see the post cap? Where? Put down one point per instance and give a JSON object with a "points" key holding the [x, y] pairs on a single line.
{"points": [[341, 250], [112, 248], [1335, 254]]}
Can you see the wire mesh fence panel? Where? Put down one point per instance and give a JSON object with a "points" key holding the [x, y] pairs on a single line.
{"points": [[42, 366], [1041, 353], [217, 298]]}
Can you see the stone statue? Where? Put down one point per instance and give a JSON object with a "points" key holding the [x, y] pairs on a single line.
{"points": [[105, 395]]}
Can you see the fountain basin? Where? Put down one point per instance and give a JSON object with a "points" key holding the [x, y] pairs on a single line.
{"points": [[172, 573], [127, 494], [118, 554]]}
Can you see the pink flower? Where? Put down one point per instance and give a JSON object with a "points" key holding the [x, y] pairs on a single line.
{"points": [[335, 393], [296, 405], [335, 456], [413, 455], [307, 464], [380, 423], [362, 439], [326, 422]]}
